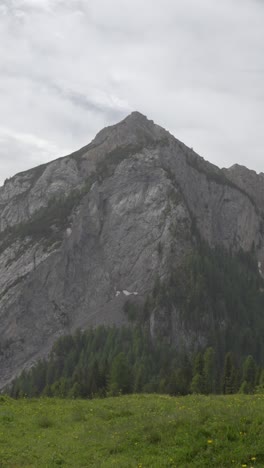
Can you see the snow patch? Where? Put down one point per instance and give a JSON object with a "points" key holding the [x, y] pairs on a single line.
{"points": [[127, 293]]}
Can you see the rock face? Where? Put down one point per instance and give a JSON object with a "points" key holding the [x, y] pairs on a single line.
{"points": [[82, 233]]}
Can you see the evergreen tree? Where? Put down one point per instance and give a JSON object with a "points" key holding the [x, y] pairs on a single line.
{"points": [[120, 376], [260, 386], [249, 375], [230, 375], [197, 383], [140, 378], [178, 382], [121, 360], [75, 390], [209, 370], [198, 364]]}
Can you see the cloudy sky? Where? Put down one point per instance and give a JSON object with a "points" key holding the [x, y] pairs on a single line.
{"points": [[70, 67]]}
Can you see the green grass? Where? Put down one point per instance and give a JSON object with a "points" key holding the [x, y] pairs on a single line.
{"points": [[133, 431]]}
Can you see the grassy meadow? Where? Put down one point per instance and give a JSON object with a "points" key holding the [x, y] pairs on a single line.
{"points": [[133, 431]]}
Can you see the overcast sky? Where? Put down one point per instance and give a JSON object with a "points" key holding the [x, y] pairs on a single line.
{"points": [[70, 67]]}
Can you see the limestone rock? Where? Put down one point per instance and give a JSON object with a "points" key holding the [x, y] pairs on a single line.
{"points": [[78, 235]]}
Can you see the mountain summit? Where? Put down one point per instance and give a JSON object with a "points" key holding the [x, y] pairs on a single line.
{"points": [[88, 236]]}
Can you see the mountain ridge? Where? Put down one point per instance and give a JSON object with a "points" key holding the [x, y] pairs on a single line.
{"points": [[82, 233]]}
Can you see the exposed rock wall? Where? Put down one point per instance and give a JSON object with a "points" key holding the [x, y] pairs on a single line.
{"points": [[142, 200]]}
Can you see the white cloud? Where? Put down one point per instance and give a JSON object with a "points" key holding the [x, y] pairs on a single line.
{"points": [[20, 151], [70, 67]]}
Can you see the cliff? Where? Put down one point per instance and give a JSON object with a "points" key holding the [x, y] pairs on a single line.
{"points": [[82, 234]]}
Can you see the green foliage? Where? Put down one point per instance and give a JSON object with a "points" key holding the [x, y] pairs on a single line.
{"points": [[260, 384], [230, 375], [244, 388], [198, 364], [249, 375], [103, 361], [134, 431], [131, 311], [197, 384], [120, 376], [112, 361], [209, 371], [249, 372], [44, 421], [179, 382], [219, 296]]}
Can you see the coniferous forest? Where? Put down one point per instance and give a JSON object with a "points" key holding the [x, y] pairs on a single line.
{"points": [[112, 361], [210, 288]]}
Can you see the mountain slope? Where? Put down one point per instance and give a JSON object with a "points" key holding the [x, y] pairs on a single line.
{"points": [[82, 234]]}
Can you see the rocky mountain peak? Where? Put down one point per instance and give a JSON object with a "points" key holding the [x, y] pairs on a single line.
{"points": [[249, 181], [135, 129], [82, 234]]}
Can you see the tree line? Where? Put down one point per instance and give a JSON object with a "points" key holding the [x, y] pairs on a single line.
{"points": [[112, 361], [218, 295]]}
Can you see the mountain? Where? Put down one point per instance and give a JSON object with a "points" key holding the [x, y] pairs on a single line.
{"points": [[87, 235]]}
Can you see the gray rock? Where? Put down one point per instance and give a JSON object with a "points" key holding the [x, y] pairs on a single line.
{"points": [[134, 200]]}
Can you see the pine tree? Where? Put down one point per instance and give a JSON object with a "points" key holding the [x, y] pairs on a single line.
{"points": [[249, 375], [179, 383], [230, 375], [209, 369], [260, 386], [198, 364], [140, 375], [120, 376], [197, 383]]}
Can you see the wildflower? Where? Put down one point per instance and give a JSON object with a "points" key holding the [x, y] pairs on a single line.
{"points": [[209, 441], [244, 466], [253, 458]]}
